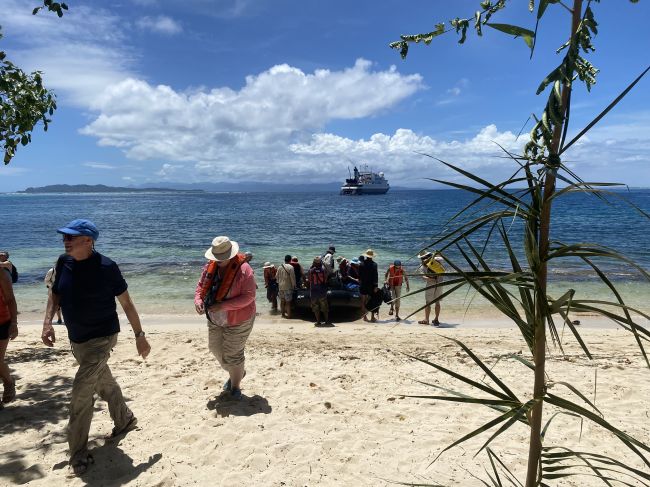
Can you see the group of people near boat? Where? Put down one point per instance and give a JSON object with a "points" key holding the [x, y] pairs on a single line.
{"points": [[85, 285], [360, 274]]}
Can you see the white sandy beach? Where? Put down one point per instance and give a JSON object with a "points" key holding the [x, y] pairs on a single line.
{"points": [[321, 406]]}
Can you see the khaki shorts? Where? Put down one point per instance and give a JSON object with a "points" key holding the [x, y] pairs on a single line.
{"points": [[286, 295], [396, 291], [319, 304], [434, 292]]}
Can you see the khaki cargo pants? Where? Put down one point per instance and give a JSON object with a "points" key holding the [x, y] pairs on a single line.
{"points": [[93, 376], [227, 343]]}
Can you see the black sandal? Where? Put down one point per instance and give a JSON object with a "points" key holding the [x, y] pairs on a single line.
{"points": [[80, 465]]}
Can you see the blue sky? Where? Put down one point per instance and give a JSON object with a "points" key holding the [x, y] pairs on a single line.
{"points": [[161, 91]]}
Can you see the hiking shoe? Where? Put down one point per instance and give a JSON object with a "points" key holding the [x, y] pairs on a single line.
{"points": [[435, 323], [318, 323], [397, 318], [227, 386], [235, 394], [129, 426], [329, 324]]}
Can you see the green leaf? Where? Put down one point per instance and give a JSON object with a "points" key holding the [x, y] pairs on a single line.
{"points": [[632, 443], [527, 34], [604, 112], [542, 7], [462, 378]]}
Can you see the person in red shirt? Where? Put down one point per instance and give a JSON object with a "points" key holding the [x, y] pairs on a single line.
{"points": [[8, 331], [394, 277], [225, 294]]}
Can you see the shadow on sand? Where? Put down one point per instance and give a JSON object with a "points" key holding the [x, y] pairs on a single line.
{"points": [[225, 406], [112, 467], [38, 405]]}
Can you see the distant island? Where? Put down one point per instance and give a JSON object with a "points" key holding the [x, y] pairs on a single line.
{"points": [[101, 188]]}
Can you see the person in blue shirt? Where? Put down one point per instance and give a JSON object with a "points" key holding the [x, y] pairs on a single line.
{"points": [[85, 286]]}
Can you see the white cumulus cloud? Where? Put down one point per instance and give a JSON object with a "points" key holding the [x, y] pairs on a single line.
{"points": [[253, 126], [160, 24], [79, 55], [99, 165]]}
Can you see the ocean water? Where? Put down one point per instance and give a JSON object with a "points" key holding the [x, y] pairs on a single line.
{"points": [[158, 239]]}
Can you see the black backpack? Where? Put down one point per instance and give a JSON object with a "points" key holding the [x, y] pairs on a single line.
{"points": [[387, 296]]}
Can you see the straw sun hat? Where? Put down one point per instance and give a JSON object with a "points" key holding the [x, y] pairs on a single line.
{"points": [[222, 249], [370, 254]]}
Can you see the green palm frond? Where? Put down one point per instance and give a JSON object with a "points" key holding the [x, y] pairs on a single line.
{"points": [[604, 112], [551, 384], [584, 306], [525, 295], [496, 406], [632, 443], [595, 462], [592, 188], [515, 416], [494, 190], [555, 415], [485, 369], [462, 378], [510, 418], [503, 299], [619, 299], [583, 250], [467, 229], [497, 464], [567, 321]]}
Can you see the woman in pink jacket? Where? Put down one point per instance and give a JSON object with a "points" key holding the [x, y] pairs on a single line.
{"points": [[226, 294]]}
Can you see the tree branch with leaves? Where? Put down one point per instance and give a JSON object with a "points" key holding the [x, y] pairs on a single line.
{"points": [[24, 101]]}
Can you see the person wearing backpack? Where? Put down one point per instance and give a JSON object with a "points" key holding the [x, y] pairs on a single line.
{"points": [[286, 277], [431, 269], [369, 280], [317, 278], [394, 277]]}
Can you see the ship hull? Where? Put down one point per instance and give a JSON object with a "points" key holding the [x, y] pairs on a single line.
{"points": [[362, 190]]}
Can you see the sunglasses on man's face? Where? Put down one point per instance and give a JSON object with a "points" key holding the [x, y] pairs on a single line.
{"points": [[67, 237]]}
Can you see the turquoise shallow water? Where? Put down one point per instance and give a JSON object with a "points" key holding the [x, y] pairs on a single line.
{"points": [[158, 239]]}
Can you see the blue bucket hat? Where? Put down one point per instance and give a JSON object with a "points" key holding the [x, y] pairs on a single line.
{"points": [[80, 227], [397, 262]]}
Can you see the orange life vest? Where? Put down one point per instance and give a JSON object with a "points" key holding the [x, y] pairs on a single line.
{"points": [[395, 275], [317, 276], [227, 279]]}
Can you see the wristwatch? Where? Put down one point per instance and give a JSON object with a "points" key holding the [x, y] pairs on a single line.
{"points": [[139, 334]]}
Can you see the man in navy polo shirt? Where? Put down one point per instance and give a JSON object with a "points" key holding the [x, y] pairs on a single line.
{"points": [[85, 287]]}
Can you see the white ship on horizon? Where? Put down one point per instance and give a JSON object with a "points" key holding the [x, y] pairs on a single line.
{"points": [[365, 182]]}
